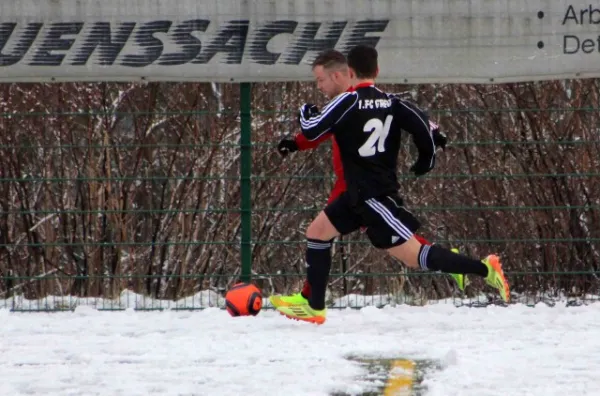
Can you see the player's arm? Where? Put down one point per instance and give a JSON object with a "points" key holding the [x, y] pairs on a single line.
{"points": [[439, 139], [314, 123], [304, 144], [292, 144], [414, 121]]}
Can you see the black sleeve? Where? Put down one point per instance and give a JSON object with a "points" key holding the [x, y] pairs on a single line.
{"points": [[315, 125], [414, 121]]}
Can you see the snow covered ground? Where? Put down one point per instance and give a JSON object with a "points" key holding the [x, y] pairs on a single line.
{"points": [[513, 351]]}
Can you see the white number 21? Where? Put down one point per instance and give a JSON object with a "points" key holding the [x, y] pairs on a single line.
{"points": [[379, 132]]}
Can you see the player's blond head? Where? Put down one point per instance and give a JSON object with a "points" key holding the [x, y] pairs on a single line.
{"points": [[331, 72], [330, 60]]}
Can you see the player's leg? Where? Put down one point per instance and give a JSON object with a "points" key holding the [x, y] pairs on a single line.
{"points": [[338, 188], [382, 239], [319, 237], [436, 258], [337, 218], [460, 279], [389, 221], [302, 297]]}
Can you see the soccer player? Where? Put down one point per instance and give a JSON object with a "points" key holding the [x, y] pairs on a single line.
{"points": [[367, 124], [332, 75]]}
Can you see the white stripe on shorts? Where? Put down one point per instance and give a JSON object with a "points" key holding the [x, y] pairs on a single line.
{"points": [[389, 218]]}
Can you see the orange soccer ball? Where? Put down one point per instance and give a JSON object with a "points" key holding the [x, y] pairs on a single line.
{"points": [[243, 299]]}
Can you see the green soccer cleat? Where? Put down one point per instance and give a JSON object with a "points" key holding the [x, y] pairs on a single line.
{"points": [[460, 279], [496, 277], [304, 313], [288, 301]]}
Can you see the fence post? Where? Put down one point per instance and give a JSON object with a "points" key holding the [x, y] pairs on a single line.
{"points": [[245, 180]]}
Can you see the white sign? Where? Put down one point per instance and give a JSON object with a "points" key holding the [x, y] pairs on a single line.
{"points": [[419, 41]]}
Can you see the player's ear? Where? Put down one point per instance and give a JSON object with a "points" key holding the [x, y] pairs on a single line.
{"points": [[340, 75], [335, 76], [377, 72]]}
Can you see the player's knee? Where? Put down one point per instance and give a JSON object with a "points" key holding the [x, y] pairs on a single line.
{"points": [[313, 231], [321, 229], [316, 230], [408, 252]]}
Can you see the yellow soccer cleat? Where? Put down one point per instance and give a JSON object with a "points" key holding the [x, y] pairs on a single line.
{"points": [[496, 277], [460, 279], [287, 301], [305, 313]]}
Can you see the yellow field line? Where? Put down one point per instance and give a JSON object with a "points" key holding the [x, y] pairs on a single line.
{"points": [[400, 379]]}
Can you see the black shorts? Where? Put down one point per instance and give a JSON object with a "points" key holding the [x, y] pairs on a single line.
{"points": [[388, 223]]}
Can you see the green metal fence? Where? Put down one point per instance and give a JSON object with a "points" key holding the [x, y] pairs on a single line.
{"points": [[161, 196]]}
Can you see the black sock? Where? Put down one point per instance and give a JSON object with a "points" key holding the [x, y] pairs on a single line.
{"points": [[318, 260], [435, 258]]}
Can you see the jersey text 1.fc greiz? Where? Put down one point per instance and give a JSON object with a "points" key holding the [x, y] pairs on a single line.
{"points": [[367, 125]]}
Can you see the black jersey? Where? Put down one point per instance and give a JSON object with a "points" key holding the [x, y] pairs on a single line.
{"points": [[367, 124]]}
